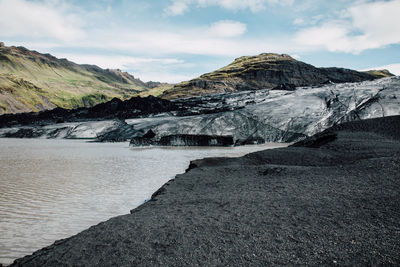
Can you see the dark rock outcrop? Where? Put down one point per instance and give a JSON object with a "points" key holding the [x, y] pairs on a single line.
{"points": [[183, 140], [120, 132], [195, 140], [116, 108], [23, 132], [152, 84]]}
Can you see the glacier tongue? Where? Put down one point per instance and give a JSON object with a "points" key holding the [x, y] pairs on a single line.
{"points": [[287, 116], [247, 117]]}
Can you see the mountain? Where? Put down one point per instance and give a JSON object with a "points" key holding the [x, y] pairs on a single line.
{"points": [[266, 71], [31, 81]]}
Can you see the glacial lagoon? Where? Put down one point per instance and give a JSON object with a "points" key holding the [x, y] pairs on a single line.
{"points": [[52, 189]]}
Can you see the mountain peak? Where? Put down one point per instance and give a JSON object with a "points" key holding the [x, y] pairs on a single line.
{"points": [[264, 57], [245, 63]]}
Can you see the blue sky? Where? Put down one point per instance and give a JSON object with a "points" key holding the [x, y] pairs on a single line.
{"points": [[176, 40]]}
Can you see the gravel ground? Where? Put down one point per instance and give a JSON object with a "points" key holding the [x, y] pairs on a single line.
{"points": [[333, 199]]}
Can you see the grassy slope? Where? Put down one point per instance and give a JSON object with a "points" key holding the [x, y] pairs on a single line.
{"points": [[245, 64], [379, 73], [30, 81], [157, 91]]}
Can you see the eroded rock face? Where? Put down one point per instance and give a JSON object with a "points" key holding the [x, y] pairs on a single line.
{"points": [[183, 140], [120, 131]]}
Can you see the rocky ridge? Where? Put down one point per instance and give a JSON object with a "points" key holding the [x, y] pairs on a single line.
{"points": [[266, 71]]}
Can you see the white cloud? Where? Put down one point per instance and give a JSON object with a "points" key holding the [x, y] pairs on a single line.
{"points": [[178, 7], [379, 20], [295, 56], [34, 45], [253, 5], [330, 36], [117, 62], [146, 69], [152, 53], [364, 26], [393, 68], [161, 44], [227, 28], [298, 21], [196, 41], [38, 20], [163, 76]]}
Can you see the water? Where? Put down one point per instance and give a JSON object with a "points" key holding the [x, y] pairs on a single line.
{"points": [[52, 189]]}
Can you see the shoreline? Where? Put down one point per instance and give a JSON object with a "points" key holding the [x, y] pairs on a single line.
{"points": [[328, 200], [103, 184]]}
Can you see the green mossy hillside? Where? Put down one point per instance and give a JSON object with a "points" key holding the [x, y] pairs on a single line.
{"points": [[31, 81]]}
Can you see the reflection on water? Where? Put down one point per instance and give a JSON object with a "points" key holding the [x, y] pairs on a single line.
{"points": [[52, 189]]}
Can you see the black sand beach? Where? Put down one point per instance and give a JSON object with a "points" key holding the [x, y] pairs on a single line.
{"points": [[333, 199]]}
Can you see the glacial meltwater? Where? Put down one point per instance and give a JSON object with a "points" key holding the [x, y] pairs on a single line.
{"points": [[52, 189]]}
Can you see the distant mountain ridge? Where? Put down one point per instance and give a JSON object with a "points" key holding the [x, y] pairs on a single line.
{"points": [[31, 81], [264, 71]]}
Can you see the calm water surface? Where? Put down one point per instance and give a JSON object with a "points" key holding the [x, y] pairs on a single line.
{"points": [[52, 189]]}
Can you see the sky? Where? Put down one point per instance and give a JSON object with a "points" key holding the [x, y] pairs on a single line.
{"points": [[176, 40]]}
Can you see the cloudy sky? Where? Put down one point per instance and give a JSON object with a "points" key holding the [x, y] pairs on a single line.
{"points": [[175, 40]]}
